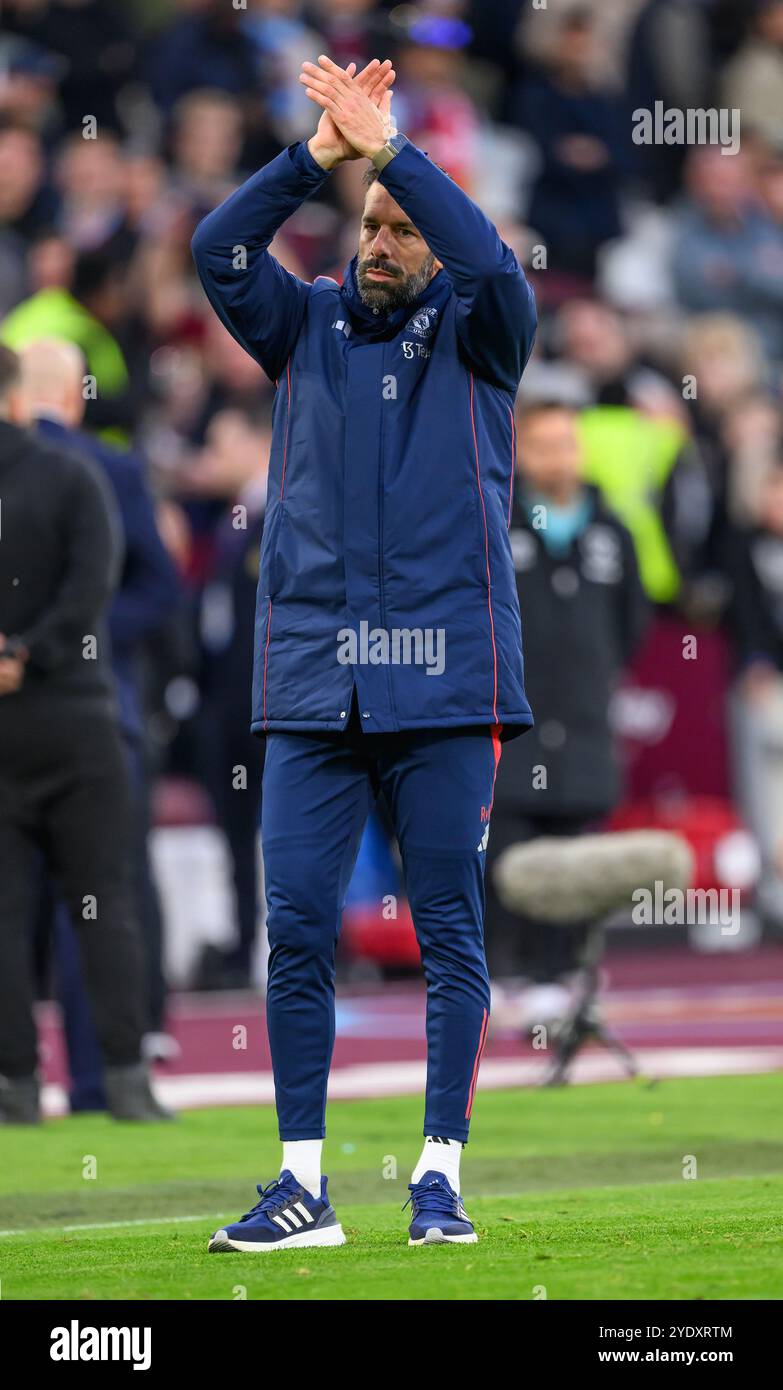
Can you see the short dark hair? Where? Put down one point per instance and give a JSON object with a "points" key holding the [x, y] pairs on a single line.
{"points": [[10, 371]]}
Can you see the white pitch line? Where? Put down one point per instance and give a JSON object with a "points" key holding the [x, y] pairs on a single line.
{"points": [[119, 1225], [372, 1080]]}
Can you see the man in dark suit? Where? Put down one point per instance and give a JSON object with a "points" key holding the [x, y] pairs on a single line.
{"points": [[64, 788], [146, 594], [583, 612]]}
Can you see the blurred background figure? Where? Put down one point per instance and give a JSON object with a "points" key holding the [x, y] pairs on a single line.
{"points": [[65, 792], [234, 465], [728, 252], [583, 615], [147, 593], [582, 142], [755, 559], [753, 79], [88, 314]]}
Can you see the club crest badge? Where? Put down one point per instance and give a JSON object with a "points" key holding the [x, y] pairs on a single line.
{"points": [[422, 323]]}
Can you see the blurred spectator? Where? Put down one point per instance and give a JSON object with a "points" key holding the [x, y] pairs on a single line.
{"points": [[769, 180], [206, 144], [89, 51], [430, 103], [91, 181], [755, 564], [634, 439], [753, 437], [668, 61], [728, 253], [87, 316], [582, 609], [597, 339], [281, 41], [27, 203], [233, 466], [353, 31], [203, 47], [29, 77], [753, 80], [582, 141], [724, 368], [50, 263]]}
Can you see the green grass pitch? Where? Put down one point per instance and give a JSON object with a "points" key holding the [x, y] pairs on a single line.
{"points": [[576, 1194]]}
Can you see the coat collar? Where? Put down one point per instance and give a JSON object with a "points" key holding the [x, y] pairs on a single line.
{"points": [[51, 428], [377, 326]]}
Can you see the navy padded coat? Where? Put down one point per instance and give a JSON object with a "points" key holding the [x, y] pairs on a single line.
{"points": [[391, 468]]}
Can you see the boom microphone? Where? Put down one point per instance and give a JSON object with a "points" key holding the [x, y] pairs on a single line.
{"points": [[587, 877]]}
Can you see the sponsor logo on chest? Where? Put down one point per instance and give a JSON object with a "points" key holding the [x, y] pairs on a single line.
{"points": [[422, 324], [420, 327]]}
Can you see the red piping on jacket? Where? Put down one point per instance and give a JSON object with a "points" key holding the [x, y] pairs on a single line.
{"points": [[266, 650], [486, 549], [497, 748], [282, 489], [495, 732]]}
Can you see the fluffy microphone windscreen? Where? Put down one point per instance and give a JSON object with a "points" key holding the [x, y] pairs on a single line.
{"points": [[588, 877]]}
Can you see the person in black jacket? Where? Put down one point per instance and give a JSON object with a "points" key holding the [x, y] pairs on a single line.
{"points": [[64, 788], [146, 595], [583, 612], [236, 460], [754, 565]]}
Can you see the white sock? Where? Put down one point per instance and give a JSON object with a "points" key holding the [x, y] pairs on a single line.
{"points": [[302, 1157], [443, 1155]]}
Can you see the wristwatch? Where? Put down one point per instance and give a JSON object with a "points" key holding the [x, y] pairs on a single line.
{"points": [[392, 147]]}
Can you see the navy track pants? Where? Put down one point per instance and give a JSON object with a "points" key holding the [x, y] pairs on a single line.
{"points": [[317, 794]]}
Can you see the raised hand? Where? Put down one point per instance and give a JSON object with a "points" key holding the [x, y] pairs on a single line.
{"points": [[330, 146]]}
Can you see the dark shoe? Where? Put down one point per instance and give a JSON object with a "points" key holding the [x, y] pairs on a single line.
{"points": [[287, 1216], [221, 970], [19, 1100], [129, 1095], [439, 1217]]}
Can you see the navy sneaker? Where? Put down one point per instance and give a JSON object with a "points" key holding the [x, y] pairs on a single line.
{"points": [[287, 1217], [439, 1217]]}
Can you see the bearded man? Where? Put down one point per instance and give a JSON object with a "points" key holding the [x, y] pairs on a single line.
{"points": [[388, 652]]}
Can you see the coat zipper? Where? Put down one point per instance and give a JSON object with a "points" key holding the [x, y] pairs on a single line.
{"points": [[381, 594], [381, 590]]}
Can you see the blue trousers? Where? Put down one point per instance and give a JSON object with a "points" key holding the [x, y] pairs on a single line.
{"points": [[317, 794]]}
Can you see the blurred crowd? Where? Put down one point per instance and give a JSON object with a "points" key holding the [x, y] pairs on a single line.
{"points": [[658, 271]]}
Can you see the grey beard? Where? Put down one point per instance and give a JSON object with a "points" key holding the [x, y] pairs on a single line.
{"points": [[395, 296]]}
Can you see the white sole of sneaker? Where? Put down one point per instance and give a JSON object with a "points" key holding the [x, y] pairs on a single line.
{"points": [[435, 1236], [329, 1235]]}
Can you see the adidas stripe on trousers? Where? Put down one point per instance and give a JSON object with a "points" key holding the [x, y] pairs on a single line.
{"points": [[317, 793]]}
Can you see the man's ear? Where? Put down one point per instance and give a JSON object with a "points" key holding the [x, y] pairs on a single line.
{"points": [[437, 266]]}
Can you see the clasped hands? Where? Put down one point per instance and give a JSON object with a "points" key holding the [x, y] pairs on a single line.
{"points": [[356, 117]]}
